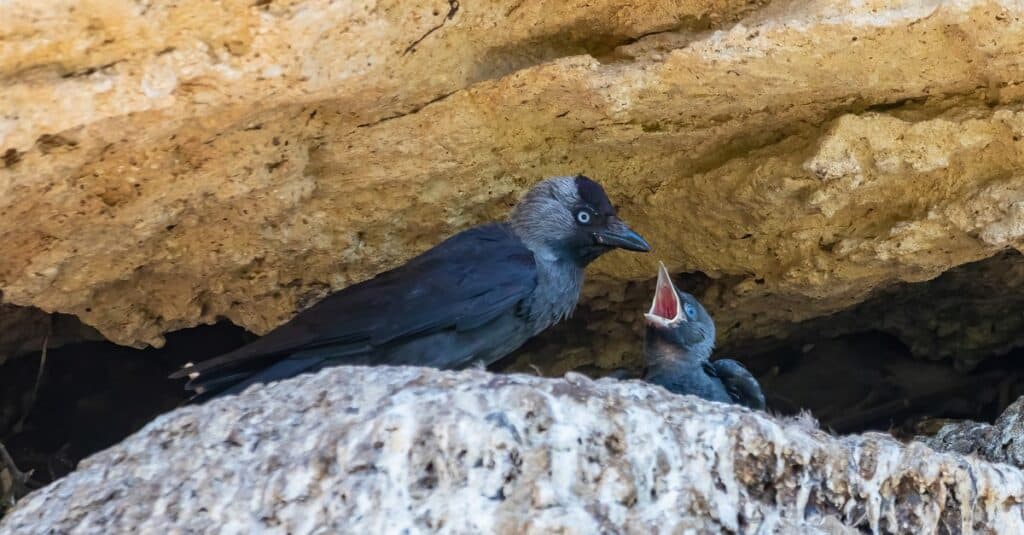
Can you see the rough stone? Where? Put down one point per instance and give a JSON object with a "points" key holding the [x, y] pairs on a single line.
{"points": [[1001, 442], [383, 450], [165, 165]]}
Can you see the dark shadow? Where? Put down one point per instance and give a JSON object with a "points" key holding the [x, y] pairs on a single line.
{"points": [[94, 394], [870, 381]]}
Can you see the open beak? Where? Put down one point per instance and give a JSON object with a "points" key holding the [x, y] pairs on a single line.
{"points": [[666, 310], [618, 234]]}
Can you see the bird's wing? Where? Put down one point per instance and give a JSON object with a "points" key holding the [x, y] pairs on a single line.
{"points": [[741, 385], [462, 283]]}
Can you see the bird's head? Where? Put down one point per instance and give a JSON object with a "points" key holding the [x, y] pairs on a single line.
{"points": [[572, 217], [678, 326]]}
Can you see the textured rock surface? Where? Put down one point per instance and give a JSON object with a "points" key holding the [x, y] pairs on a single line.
{"points": [[1002, 442], [379, 450], [166, 164], [162, 165]]}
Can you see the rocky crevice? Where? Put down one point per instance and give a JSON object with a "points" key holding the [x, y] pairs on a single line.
{"points": [[964, 317]]}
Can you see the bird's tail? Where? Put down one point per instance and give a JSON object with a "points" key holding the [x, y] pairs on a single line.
{"points": [[215, 383]]}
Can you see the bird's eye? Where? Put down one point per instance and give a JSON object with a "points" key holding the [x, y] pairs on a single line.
{"points": [[583, 217], [691, 311]]}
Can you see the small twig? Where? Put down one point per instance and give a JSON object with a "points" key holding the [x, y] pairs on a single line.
{"points": [[8, 461], [35, 388], [19, 480]]}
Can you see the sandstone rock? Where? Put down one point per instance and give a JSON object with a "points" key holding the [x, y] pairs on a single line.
{"points": [[382, 450], [166, 165]]}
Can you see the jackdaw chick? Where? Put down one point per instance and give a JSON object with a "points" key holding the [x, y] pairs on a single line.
{"points": [[470, 300], [679, 339]]}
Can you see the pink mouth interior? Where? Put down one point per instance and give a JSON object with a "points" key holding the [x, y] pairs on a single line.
{"points": [[665, 302]]}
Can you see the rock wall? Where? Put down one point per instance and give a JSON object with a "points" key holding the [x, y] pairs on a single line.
{"points": [[384, 450], [164, 165]]}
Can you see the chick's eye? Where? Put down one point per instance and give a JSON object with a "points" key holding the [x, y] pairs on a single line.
{"points": [[583, 217], [691, 312]]}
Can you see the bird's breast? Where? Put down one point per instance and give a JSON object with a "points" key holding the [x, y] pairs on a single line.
{"points": [[558, 291]]}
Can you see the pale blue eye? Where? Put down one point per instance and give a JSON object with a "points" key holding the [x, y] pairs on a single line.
{"points": [[691, 311]]}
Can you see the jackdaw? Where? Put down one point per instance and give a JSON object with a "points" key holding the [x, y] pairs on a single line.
{"points": [[680, 336], [470, 300]]}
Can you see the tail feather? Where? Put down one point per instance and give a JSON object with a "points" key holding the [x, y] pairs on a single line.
{"points": [[201, 385], [208, 387]]}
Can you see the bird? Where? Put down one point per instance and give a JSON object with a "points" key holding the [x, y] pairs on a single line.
{"points": [[468, 301], [678, 342]]}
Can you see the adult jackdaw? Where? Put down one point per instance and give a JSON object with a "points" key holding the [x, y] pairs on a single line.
{"points": [[470, 300], [677, 347]]}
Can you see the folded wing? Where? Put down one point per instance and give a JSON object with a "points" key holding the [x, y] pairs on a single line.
{"points": [[741, 385], [463, 283]]}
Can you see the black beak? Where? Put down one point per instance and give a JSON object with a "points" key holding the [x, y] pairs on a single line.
{"points": [[617, 234]]}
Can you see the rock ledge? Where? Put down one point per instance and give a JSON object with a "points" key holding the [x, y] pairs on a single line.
{"points": [[382, 450]]}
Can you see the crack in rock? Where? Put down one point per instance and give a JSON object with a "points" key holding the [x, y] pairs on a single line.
{"points": [[453, 8]]}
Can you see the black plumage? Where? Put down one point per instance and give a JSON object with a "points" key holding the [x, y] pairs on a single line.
{"points": [[472, 299], [678, 342]]}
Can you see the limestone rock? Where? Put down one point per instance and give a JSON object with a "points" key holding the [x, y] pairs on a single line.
{"points": [[165, 165], [382, 450], [1001, 442]]}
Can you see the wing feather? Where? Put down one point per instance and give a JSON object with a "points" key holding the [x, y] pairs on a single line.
{"points": [[462, 283]]}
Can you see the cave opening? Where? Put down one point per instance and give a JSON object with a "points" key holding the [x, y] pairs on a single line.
{"points": [[870, 381], [863, 376], [92, 394]]}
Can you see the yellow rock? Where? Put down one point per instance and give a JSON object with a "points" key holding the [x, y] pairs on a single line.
{"points": [[164, 165]]}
